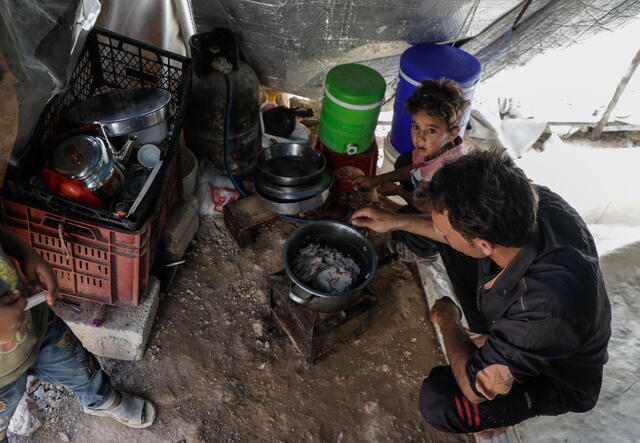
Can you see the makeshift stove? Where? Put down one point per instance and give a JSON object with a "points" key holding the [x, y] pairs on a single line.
{"points": [[312, 333]]}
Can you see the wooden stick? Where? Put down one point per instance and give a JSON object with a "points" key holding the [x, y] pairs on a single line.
{"points": [[9, 113], [597, 131]]}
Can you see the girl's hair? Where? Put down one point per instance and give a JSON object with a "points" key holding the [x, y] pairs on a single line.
{"points": [[439, 98]]}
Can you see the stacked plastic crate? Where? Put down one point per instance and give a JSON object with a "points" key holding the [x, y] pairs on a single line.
{"points": [[96, 253]]}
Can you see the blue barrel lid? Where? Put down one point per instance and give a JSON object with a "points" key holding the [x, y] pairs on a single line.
{"points": [[435, 61]]}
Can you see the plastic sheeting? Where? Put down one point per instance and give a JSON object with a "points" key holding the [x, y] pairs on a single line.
{"points": [[41, 41], [150, 21], [291, 44], [546, 25]]}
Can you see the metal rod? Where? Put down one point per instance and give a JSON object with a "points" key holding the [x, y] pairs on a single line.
{"points": [[187, 24], [597, 131]]}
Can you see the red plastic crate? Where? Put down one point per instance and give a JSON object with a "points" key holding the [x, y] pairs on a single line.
{"points": [[365, 162], [101, 263], [91, 262]]}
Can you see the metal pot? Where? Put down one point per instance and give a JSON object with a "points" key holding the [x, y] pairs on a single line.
{"points": [[345, 239], [93, 161], [141, 112]]}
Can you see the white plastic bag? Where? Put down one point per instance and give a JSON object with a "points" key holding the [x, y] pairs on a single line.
{"points": [[215, 190], [300, 134]]}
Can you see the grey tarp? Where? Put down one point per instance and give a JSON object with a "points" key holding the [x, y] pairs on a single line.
{"points": [[291, 44]]}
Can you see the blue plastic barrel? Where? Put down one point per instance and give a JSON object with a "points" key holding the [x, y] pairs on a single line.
{"points": [[430, 61]]}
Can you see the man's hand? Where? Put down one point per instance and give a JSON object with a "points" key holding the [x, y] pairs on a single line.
{"points": [[365, 183], [375, 219], [39, 275], [12, 315], [444, 310]]}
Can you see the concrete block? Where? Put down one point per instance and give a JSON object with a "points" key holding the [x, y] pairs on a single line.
{"points": [[181, 227], [125, 331]]}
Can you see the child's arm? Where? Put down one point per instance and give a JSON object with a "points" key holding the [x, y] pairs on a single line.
{"points": [[390, 188], [366, 182]]}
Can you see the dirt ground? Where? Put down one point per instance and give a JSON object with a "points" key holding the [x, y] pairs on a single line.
{"points": [[219, 368]]}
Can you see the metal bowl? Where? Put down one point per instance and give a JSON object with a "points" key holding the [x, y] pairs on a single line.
{"points": [[346, 239], [291, 163]]}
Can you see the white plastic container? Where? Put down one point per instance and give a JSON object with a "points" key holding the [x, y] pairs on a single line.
{"points": [[189, 164]]}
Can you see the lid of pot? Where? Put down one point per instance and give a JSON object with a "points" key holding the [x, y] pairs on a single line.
{"points": [[123, 111], [77, 156]]}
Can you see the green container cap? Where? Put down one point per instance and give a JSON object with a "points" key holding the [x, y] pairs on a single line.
{"points": [[355, 84]]}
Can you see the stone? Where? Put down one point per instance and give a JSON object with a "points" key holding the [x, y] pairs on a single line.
{"points": [[40, 393], [26, 420], [63, 437], [125, 331], [258, 328], [181, 228], [371, 407], [32, 383]]}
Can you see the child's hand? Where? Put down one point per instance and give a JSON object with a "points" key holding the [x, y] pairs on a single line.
{"points": [[389, 188], [39, 275], [365, 183]]}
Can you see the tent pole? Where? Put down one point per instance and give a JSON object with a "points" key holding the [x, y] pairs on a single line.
{"points": [[595, 135]]}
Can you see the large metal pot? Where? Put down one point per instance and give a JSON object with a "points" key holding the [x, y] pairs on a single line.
{"points": [[140, 112], [345, 239]]}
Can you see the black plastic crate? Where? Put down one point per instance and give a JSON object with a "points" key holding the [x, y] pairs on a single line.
{"points": [[109, 61]]}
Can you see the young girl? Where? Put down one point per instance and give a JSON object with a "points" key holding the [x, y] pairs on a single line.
{"points": [[436, 110]]}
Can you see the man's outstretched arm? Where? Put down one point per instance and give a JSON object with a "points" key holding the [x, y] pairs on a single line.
{"points": [[383, 221], [458, 345]]}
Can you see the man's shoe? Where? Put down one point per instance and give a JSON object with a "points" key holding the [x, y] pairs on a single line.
{"points": [[405, 254]]}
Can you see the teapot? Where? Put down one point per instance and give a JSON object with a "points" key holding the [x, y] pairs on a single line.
{"points": [[93, 161]]}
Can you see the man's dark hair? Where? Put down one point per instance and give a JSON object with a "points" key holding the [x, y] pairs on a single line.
{"points": [[439, 98], [486, 195]]}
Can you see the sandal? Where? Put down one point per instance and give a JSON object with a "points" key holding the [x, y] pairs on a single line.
{"points": [[133, 411]]}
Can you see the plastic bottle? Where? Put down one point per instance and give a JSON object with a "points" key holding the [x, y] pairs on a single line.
{"points": [[270, 103]]}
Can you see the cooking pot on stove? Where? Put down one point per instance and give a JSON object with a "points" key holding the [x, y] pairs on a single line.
{"points": [[344, 238], [92, 161]]}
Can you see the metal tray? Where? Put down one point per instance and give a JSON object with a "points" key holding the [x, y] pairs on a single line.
{"points": [[291, 163], [292, 207], [299, 192]]}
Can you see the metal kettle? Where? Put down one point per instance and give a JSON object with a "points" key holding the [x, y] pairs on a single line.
{"points": [[92, 161]]}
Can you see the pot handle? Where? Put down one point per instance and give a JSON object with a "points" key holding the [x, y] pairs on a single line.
{"points": [[296, 298]]}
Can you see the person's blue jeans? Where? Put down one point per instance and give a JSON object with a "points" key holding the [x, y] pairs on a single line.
{"points": [[62, 361]]}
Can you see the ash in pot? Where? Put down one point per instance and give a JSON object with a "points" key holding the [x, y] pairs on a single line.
{"points": [[325, 269]]}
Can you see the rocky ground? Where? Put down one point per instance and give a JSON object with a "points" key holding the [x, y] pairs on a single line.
{"points": [[219, 367]]}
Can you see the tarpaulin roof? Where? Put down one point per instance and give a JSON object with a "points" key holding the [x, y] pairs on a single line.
{"points": [[291, 44]]}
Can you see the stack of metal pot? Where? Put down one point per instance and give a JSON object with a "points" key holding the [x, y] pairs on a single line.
{"points": [[291, 178]]}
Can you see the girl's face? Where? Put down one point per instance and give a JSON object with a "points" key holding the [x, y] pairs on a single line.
{"points": [[430, 134]]}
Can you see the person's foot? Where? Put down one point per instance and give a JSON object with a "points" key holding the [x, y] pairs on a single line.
{"points": [[406, 255], [128, 409], [488, 434]]}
